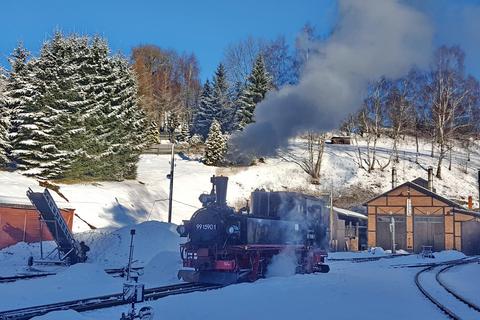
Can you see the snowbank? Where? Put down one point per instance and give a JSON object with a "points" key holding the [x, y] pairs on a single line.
{"points": [[162, 269], [111, 248]]}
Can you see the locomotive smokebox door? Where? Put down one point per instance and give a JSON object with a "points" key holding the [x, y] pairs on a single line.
{"points": [[133, 292]]}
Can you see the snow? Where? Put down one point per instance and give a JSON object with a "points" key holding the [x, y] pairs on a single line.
{"points": [[62, 315], [69, 284], [111, 248], [372, 290], [156, 246], [369, 289], [350, 213], [464, 279]]}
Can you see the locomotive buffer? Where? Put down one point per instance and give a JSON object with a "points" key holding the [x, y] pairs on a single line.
{"points": [[69, 250]]}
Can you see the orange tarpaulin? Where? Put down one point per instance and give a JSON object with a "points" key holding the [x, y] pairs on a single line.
{"points": [[22, 223]]}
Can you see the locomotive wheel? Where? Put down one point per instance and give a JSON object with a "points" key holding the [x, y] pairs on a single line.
{"points": [[323, 268]]}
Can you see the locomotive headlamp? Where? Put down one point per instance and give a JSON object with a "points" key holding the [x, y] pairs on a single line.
{"points": [[181, 230], [233, 229]]}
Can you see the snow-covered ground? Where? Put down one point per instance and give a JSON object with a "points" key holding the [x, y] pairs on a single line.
{"points": [[156, 248], [371, 290], [351, 290], [368, 290]]}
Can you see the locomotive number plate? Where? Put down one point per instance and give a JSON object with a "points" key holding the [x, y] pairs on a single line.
{"points": [[206, 226]]}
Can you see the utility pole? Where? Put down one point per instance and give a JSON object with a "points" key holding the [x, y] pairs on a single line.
{"points": [[170, 176], [331, 221]]}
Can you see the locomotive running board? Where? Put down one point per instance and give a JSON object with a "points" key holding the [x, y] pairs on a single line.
{"points": [[210, 277]]}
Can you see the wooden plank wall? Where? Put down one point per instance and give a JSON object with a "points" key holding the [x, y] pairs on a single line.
{"points": [[395, 202]]}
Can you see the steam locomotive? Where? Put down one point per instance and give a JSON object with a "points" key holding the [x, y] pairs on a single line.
{"points": [[226, 246]]}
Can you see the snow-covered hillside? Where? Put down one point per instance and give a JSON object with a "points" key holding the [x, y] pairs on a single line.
{"points": [[117, 204]]}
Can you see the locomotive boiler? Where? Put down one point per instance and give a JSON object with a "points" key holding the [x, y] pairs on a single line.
{"points": [[227, 246]]}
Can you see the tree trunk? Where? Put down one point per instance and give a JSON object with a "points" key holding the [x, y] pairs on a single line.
{"points": [[416, 145], [450, 159], [440, 160]]}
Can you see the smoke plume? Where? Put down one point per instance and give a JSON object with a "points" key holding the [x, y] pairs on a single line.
{"points": [[373, 38]]}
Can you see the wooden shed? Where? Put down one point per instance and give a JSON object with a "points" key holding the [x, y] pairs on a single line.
{"points": [[20, 222], [420, 218]]}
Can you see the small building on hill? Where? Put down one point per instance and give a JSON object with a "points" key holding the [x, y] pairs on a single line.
{"points": [[416, 216], [20, 222]]}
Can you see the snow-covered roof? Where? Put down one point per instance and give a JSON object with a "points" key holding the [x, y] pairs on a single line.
{"points": [[419, 188], [350, 213]]}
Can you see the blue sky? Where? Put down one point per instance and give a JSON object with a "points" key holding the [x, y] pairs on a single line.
{"points": [[204, 27]]}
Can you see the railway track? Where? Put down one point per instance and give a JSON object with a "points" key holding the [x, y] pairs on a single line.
{"points": [[115, 272], [102, 302], [444, 297], [368, 259]]}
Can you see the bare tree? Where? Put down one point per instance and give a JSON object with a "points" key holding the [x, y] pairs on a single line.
{"points": [[310, 161], [447, 93], [240, 57], [371, 125], [399, 111], [168, 83]]}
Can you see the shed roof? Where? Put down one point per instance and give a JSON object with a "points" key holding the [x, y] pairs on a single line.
{"points": [[467, 212], [416, 184], [350, 213]]}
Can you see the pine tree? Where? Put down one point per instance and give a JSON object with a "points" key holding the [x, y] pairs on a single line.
{"points": [[215, 146], [184, 134], [82, 120], [29, 128], [205, 112], [258, 84], [220, 102], [4, 120]]}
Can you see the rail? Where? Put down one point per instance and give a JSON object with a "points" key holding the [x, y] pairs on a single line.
{"points": [[446, 309], [101, 302]]}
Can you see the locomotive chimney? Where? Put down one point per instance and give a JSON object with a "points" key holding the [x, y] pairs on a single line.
{"points": [[220, 184], [394, 177], [430, 179]]}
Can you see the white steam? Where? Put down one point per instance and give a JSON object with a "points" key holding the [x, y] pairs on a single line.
{"points": [[373, 38], [283, 264]]}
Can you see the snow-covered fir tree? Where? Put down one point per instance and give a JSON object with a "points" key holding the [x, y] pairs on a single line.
{"points": [[258, 84], [132, 129], [215, 146], [221, 102], [205, 112], [183, 134], [28, 126], [4, 120], [82, 122]]}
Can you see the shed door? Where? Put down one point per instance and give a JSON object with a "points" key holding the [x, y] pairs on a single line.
{"points": [[429, 231], [384, 235], [471, 237]]}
